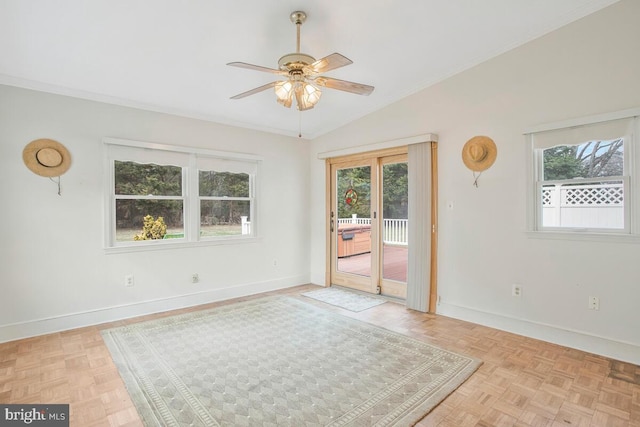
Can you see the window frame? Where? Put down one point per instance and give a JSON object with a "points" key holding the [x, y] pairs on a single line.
{"points": [[250, 198], [116, 149], [630, 179]]}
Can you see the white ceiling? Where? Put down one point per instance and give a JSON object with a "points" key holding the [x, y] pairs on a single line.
{"points": [[170, 55]]}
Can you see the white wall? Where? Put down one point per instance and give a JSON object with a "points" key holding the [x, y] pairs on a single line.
{"points": [[589, 67], [53, 265]]}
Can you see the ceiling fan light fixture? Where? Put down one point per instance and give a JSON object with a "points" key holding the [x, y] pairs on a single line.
{"points": [[307, 95], [284, 93], [310, 96]]}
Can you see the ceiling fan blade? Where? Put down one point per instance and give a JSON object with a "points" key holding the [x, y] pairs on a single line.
{"points": [[331, 62], [254, 91], [257, 68], [357, 88]]}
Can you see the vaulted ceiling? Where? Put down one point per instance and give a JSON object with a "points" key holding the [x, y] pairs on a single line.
{"points": [[171, 56]]}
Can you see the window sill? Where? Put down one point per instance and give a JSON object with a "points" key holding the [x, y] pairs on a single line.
{"points": [[584, 236], [179, 245]]}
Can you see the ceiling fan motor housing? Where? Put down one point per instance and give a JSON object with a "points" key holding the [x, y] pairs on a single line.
{"points": [[294, 61]]}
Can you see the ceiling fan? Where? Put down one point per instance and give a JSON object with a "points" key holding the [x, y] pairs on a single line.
{"points": [[303, 75]]}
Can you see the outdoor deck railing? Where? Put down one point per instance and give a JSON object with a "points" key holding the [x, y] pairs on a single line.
{"points": [[354, 220], [395, 231]]}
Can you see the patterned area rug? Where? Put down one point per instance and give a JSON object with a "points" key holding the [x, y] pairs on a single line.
{"points": [[344, 299], [279, 361]]}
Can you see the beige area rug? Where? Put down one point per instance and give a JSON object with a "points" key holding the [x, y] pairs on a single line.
{"points": [[344, 299], [279, 361]]}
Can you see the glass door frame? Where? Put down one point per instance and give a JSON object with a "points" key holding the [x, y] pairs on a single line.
{"points": [[342, 278], [373, 283]]}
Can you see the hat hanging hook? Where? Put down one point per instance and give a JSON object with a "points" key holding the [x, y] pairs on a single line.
{"points": [[57, 182], [475, 179]]}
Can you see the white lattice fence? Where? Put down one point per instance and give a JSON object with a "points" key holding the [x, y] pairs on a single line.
{"points": [[589, 206]]}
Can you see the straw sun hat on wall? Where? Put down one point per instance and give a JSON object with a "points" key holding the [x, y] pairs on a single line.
{"points": [[46, 157], [478, 154]]}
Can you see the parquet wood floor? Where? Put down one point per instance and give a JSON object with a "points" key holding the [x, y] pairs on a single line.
{"points": [[523, 382]]}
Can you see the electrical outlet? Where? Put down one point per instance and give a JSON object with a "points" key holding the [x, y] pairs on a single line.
{"points": [[594, 303], [128, 280], [195, 278], [516, 290]]}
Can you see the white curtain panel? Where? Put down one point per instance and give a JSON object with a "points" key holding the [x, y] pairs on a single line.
{"points": [[418, 275]]}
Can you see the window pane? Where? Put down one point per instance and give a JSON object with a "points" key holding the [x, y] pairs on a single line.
{"points": [[589, 160], [221, 184], [354, 181], [130, 216], [395, 204], [395, 196], [354, 220], [596, 205], [137, 179], [225, 217]]}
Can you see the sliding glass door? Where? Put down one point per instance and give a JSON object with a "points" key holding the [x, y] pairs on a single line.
{"points": [[369, 225]]}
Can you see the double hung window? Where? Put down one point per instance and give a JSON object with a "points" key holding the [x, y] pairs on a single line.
{"points": [[582, 178], [169, 195], [225, 197]]}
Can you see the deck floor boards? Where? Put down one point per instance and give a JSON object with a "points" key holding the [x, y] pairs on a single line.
{"points": [[394, 263]]}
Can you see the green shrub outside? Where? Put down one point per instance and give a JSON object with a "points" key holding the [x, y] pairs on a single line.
{"points": [[152, 229]]}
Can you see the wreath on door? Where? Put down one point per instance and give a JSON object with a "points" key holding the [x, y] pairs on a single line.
{"points": [[351, 197]]}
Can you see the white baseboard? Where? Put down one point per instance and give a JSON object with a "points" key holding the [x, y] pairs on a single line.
{"points": [[65, 322], [618, 350], [318, 280]]}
